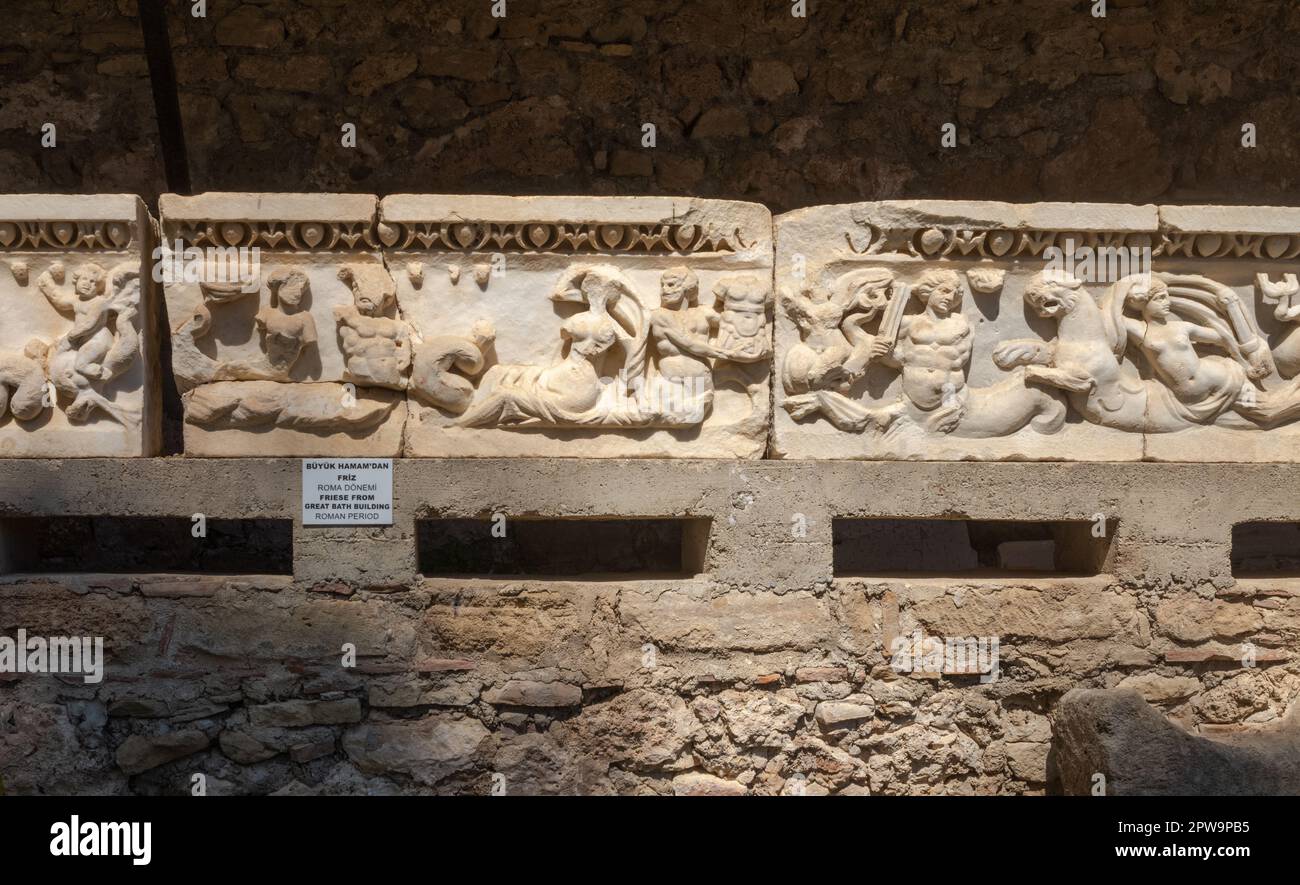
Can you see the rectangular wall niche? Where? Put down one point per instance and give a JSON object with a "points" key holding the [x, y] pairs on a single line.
{"points": [[145, 545], [946, 547], [640, 547], [1266, 549]]}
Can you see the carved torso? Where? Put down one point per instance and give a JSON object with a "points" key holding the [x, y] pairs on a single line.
{"points": [[376, 349], [934, 352]]}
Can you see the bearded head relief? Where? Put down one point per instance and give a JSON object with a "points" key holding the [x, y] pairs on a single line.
{"points": [[677, 286], [986, 280]]}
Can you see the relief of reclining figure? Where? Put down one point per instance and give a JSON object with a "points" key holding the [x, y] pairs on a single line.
{"points": [[670, 385], [322, 406], [1178, 313], [569, 390]]}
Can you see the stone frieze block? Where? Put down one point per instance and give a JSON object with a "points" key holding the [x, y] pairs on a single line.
{"points": [[78, 340], [583, 326], [951, 330], [285, 331]]}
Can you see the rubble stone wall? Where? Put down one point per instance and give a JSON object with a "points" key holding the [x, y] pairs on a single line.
{"points": [[766, 673]]}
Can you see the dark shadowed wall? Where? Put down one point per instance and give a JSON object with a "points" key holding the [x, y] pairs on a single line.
{"points": [[749, 102]]}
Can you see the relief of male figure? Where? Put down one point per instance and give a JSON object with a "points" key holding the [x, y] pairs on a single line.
{"points": [[681, 330], [687, 336], [932, 350], [376, 349]]}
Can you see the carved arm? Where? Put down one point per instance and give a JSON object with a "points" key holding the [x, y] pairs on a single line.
{"points": [[49, 282], [693, 346], [1024, 352]]}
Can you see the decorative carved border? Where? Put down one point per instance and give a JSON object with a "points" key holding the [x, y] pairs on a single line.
{"points": [[939, 243], [570, 237], [1229, 245], [587, 237], [285, 236], [81, 236], [934, 242]]}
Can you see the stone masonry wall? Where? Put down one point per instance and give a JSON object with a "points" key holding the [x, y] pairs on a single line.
{"points": [[767, 673], [749, 102], [80, 66], [764, 674]]}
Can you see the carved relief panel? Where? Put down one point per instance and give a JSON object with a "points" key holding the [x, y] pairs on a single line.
{"points": [[583, 327], [286, 339], [941, 330], [78, 357], [1240, 394]]}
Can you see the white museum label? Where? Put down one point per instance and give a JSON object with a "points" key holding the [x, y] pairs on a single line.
{"points": [[347, 491]]}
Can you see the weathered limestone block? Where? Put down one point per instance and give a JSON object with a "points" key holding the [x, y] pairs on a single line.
{"points": [[583, 327], [139, 753], [697, 783], [293, 714], [78, 342], [428, 749], [1140, 753], [286, 339], [757, 623], [527, 693], [951, 330]]}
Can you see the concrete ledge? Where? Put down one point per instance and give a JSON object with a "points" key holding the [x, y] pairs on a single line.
{"points": [[763, 666], [1173, 521]]}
